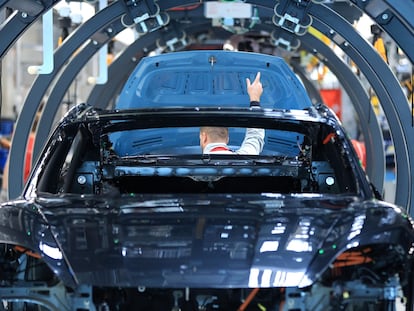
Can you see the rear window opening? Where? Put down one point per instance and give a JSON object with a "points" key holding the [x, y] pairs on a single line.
{"points": [[155, 161]]}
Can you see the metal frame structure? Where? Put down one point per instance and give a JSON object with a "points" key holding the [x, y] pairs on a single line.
{"points": [[392, 16]]}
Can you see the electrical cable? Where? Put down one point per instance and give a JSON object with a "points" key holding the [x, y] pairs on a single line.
{"points": [[248, 300]]}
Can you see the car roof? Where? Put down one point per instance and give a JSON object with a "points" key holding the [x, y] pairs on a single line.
{"points": [[211, 78]]}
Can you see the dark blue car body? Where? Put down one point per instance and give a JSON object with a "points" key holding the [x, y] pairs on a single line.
{"points": [[123, 212]]}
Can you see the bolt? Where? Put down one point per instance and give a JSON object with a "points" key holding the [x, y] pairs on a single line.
{"points": [[81, 180], [384, 16], [110, 30], [24, 14], [141, 289]]}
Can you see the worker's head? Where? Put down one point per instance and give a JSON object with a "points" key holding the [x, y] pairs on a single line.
{"points": [[213, 134]]}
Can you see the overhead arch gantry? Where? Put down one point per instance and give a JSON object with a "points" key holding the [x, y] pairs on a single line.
{"points": [[187, 17]]}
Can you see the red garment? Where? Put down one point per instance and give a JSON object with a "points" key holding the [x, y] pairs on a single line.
{"points": [[28, 159], [361, 152], [219, 148]]}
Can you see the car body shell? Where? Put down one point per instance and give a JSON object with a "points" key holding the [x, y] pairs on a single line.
{"points": [[132, 211]]}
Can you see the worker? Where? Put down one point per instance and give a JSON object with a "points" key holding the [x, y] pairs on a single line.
{"points": [[215, 139]]}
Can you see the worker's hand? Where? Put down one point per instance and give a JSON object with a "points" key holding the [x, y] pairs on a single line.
{"points": [[5, 142], [254, 89]]}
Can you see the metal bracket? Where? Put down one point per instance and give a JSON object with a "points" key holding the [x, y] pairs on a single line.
{"points": [[48, 61], [292, 16], [141, 10], [286, 41], [55, 298], [172, 40], [153, 23], [176, 44]]}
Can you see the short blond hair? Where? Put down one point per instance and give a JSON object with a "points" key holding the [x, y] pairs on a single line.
{"points": [[216, 133]]}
